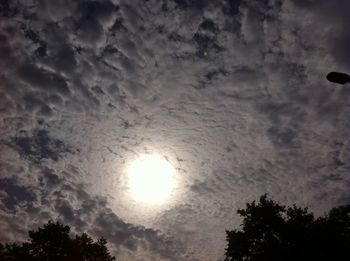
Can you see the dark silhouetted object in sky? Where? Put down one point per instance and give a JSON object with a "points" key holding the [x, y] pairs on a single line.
{"points": [[336, 77], [53, 243], [271, 231]]}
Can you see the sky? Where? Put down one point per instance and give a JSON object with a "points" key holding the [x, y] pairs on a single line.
{"points": [[233, 94]]}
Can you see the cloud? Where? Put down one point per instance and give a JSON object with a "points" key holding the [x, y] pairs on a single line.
{"points": [[333, 14], [40, 146], [14, 195], [60, 199], [232, 93]]}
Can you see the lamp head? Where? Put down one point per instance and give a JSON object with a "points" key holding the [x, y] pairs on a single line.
{"points": [[337, 77]]}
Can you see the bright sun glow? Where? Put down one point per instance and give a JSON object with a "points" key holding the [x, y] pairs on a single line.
{"points": [[151, 179]]}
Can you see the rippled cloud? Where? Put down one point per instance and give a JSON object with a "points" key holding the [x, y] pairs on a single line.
{"points": [[232, 93]]}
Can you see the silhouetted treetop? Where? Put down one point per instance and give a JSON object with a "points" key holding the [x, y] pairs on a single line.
{"points": [[53, 243], [271, 231]]}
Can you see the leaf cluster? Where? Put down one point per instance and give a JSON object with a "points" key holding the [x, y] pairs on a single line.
{"points": [[271, 231], [54, 243]]}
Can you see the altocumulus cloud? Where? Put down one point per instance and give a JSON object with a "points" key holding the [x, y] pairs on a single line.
{"points": [[233, 93]]}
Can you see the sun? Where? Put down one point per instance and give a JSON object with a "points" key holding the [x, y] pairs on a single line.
{"points": [[151, 179]]}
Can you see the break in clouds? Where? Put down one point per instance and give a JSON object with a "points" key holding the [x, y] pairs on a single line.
{"points": [[232, 93]]}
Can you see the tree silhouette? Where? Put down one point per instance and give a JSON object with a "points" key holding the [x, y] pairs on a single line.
{"points": [[271, 231], [53, 243]]}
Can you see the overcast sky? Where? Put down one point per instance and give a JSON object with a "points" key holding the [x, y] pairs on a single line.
{"points": [[232, 93]]}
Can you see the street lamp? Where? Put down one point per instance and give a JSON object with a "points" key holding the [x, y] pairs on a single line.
{"points": [[337, 77]]}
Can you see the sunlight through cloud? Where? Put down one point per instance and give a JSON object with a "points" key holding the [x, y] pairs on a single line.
{"points": [[151, 179]]}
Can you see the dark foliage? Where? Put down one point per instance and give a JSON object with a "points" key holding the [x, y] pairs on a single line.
{"points": [[53, 243], [271, 231]]}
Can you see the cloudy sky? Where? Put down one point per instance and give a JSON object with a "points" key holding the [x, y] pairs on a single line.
{"points": [[231, 93]]}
